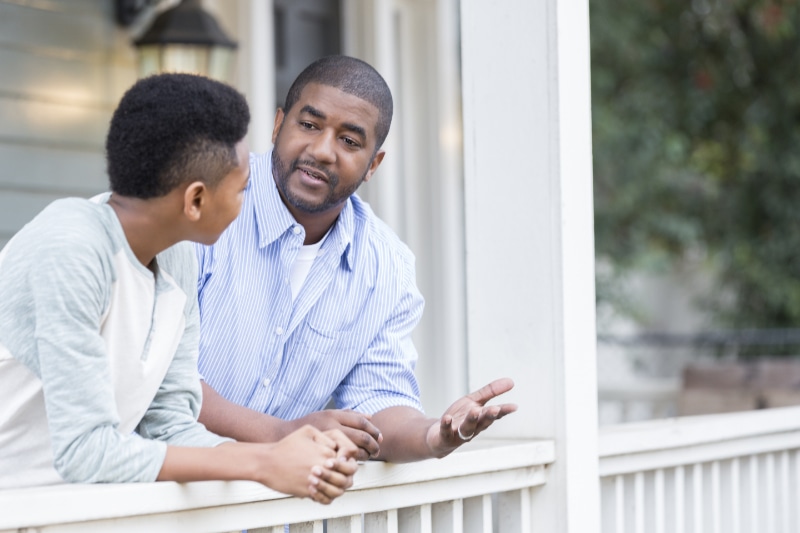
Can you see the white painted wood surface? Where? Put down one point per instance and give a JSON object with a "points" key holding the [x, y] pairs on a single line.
{"points": [[529, 235], [424, 496], [737, 472], [419, 188], [64, 67]]}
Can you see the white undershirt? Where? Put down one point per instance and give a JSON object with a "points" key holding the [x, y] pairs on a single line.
{"points": [[302, 265]]}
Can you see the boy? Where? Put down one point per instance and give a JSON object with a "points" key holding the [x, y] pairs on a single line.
{"points": [[99, 320]]}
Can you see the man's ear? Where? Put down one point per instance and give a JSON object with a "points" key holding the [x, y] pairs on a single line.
{"points": [[194, 200], [374, 164], [279, 116]]}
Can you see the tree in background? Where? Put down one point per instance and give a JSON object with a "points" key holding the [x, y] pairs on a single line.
{"points": [[696, 125]]}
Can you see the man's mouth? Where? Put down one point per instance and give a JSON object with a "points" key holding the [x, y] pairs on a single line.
{"points": [[313, 173]]}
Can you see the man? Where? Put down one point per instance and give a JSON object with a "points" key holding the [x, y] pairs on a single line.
{"points": [[99, 321], [309, 296]]}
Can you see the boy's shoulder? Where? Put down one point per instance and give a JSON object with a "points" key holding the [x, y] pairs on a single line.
{"points": [[69, 227]]}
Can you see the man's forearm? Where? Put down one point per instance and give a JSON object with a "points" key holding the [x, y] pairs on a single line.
{"points": [[405, 434], [231, 420]]}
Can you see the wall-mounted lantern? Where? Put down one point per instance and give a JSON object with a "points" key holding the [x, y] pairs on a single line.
{"points": [[184, 38]]}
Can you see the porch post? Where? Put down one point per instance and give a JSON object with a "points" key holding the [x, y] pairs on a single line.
{"points": [[255, 64], [529, 235]]}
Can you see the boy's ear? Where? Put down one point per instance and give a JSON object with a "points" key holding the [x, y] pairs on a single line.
{"points": [[194, 200]]}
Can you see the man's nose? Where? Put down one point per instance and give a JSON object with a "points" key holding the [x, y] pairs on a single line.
{"points": [[323, 146]]}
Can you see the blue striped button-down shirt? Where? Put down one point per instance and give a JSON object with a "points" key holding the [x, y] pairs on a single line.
{"points": [[347, 334]]}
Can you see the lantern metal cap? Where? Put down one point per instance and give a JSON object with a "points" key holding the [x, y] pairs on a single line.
{"points": [[186, 23]]}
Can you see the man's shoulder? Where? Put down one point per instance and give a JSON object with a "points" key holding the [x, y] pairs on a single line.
{"points": [[376, 233]]}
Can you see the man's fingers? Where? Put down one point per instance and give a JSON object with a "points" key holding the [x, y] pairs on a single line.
{"points": [[495, 412], [361, 446], [506, 409], [358, 421], [492, 390]]}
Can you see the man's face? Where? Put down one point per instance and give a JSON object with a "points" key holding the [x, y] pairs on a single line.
{"points": [[324, 149]]}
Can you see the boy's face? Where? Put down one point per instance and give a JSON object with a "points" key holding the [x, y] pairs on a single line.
{"points": [[225, 200]]}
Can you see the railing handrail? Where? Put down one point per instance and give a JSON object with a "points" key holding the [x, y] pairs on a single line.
{"points": [[68, 504], [734, 337], [654, 445], [693, 430]]}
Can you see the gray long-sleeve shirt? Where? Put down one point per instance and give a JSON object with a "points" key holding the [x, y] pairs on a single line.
{"points": [[97, 352]]}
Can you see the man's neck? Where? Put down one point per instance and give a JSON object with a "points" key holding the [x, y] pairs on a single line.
{"points": [[316, 224]]}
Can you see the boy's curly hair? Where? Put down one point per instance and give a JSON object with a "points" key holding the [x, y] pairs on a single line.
{"points": [[172, 128]]}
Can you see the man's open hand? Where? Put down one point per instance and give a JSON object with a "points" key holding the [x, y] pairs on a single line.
{"points": [[469, 416]]}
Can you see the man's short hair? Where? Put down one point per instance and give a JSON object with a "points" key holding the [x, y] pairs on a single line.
{"points": [[352, 76], [173, 128]]}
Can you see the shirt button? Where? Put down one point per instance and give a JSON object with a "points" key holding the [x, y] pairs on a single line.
{"points": [[265, 382], [296, 230], [279, 330]]}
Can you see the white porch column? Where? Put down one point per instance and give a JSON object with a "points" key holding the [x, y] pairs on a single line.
{"points": [[529, 226], [261, 89]]}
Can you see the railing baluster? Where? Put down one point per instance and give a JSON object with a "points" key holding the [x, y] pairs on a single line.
{"points": [[381, 522], [307, 527], [680, 501], [425, 525], [448, 516], [697, 497], [458, 515], [769, 481], [478, 514], [619, 503], [716, 511], [345, 524], [658, 496], [415, 519], [754, 488], [797, 490], [514, 511], [270, 529], [638, 499], [735, 507], [525, 509], [785, 492]]}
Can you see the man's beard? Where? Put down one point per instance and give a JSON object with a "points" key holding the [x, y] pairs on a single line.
{"points": [[281, 172]]}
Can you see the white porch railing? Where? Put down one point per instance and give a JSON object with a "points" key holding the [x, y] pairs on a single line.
{"points": [[729, 473], [486, 486]]}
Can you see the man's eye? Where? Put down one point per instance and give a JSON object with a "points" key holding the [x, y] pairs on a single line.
{"points": [[350, 142], [306, 125]]}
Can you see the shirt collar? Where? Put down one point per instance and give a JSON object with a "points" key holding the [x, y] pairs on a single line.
{"points": [[273, 218]]}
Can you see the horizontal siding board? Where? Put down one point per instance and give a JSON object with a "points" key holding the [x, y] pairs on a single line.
{"points": [[17, 209], [63, 80], [39, 122], [80, 30], [74, 6], [35, 169]]}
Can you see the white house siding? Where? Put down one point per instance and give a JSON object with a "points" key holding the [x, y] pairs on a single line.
{"points": [[63, 66]]}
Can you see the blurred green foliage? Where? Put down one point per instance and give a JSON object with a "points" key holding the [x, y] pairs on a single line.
{"points": [[696, 126]]}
